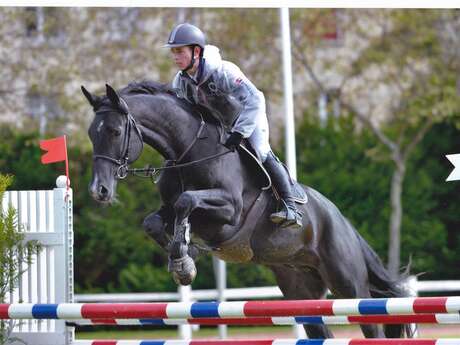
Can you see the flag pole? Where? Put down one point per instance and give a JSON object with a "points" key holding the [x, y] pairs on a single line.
{"points": [[66, 163]]}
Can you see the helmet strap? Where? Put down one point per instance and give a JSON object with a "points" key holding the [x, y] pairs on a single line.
{"points": [[192, 60]]}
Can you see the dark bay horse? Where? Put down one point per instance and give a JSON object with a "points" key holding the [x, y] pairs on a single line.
{"points": [[219, 201]]}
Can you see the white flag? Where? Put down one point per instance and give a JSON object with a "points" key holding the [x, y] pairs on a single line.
{"points": [[455, 174]]}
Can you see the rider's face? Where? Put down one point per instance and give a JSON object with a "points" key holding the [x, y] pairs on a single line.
{"points": [[181, 56]]}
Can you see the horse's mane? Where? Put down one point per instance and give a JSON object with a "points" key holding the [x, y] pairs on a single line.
{"points": [[149, 87]]}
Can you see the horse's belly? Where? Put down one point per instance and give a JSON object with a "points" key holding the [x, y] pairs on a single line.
{"points": [[237, 249], [237, 253], [274, 245]]}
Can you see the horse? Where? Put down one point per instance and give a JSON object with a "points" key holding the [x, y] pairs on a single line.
{"points": [[213, 201]]}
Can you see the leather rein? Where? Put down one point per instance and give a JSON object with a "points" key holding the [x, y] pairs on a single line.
{"points": [[123, 162]]}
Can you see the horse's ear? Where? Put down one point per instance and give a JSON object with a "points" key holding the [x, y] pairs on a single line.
{"points": [[116, 99], [112, 95], [95, 101]]}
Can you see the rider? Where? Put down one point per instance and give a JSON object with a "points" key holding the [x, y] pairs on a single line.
{"points": [[220, 86]]}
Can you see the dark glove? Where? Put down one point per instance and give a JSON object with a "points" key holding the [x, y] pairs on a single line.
{"points": [[233, 141]]}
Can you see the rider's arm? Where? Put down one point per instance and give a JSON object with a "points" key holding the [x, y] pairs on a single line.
{"points": [[238, 86]]}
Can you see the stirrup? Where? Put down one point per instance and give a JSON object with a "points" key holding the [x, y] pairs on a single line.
{"points": [[284, 219]]}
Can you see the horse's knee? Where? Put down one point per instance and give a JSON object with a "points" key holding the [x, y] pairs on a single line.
{"points": [[184, 204], [153, 224]]}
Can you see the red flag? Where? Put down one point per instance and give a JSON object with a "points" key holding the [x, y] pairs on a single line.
{"points": [[57, 150]]}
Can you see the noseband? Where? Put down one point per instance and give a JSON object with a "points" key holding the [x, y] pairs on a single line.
{"points": [[123, 161]]}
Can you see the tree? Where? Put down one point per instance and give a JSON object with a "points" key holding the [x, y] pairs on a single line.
{"points": [[430, 235], [399, 83], [47, 53]]}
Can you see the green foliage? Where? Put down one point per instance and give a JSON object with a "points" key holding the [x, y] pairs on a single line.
{"points": [[335, 160], [442, 198]]}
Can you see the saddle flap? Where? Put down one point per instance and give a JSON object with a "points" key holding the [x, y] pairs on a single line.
{"points": [[256, 165]]}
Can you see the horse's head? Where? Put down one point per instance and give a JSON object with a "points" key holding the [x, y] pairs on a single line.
{"points": [[116, 139]]}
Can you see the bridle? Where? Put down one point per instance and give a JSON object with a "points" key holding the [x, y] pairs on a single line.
{"points": [[123, 162]]}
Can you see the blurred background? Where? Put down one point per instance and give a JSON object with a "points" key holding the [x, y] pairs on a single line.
{"points": [[376, 102]]}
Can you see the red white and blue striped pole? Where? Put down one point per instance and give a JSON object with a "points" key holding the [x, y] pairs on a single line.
{"points": [[275, 342], [273, 321], [181, 310]]}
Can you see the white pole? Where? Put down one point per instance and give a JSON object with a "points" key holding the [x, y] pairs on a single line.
{"points": [[322, 108], [411, 286], [289, 113], [288, 95], [220, 274], [185, 293]]}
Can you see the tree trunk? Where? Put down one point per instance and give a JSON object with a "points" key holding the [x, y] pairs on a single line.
{"points": [[394, 244]]}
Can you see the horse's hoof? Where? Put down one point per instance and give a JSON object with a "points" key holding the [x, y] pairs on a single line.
{"points": [[183, 270]]}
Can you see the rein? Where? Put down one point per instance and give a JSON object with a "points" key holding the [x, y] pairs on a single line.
{"points": [[123, 163]]}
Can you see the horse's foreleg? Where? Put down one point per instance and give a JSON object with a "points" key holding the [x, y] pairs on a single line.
{"points": [[156, 224], [159, 225], [218, 204]]}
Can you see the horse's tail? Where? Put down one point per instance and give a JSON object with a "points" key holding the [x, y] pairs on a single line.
{"points": [[383, 286]]}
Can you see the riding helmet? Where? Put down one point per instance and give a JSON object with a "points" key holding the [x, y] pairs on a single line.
{"points": [[185, 35]]}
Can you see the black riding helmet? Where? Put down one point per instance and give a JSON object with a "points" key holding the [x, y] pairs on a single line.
{"points": [[187, 35]]}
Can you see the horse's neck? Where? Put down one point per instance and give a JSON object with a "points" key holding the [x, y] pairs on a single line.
{"points": [[165, 126]]}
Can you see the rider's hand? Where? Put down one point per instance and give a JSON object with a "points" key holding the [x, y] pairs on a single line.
{"points": [[233, 141]]}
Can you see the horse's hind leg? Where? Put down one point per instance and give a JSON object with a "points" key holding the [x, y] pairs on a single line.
{"points": [[300, 283], [347, 277]]}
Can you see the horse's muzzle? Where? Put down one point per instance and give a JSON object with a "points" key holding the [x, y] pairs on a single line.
{"points": [[100, 192]]}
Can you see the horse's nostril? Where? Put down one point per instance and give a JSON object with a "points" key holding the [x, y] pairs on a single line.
{"points": [[103, 191]]}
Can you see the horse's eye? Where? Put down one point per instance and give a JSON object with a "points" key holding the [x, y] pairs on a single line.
{"points": [[114, 131]]}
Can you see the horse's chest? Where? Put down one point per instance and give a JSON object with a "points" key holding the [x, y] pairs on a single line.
{"points": [[173, 183], [169, 187]]}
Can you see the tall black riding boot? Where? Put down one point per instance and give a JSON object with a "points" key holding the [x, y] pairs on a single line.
{"points": [[289, 215]]}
